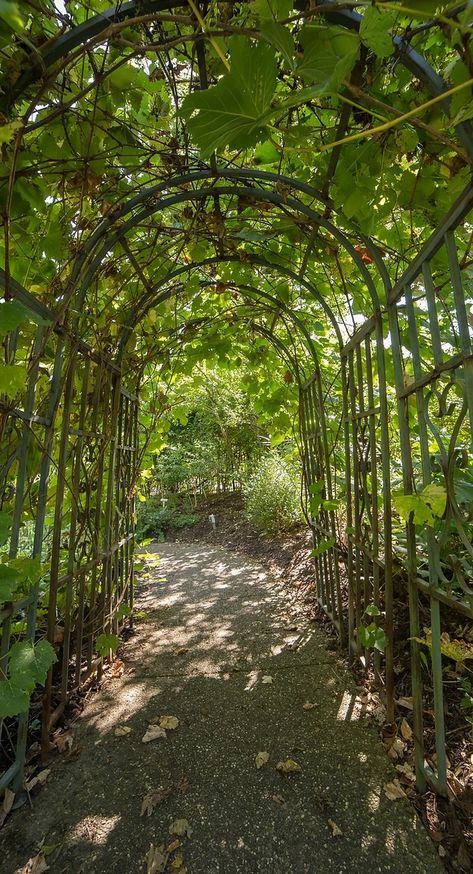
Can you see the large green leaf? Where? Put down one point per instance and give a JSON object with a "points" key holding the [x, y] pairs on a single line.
{"points": [[375, 31], [9, 579], [12, 315], [12, 379], [29, 663], [329, 56], [234, 112], [12, 699]]}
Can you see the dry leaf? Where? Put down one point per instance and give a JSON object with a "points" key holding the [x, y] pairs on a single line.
{"points": [[122, 730], [393, 791], [39, 780], [182, 650], [184, 785], [336, 831], [64, 741], [406, 730], [288, 767], [177, 862], [442, 851], [308, 705], [397, 748], [156, 860], [168, 722], [152, 799], [267, 680], [152, 733], [406, 703], [8, 800], [173, 846], [117, 668], [180, 827], [261, 759], [36, 865], [278, 799]]}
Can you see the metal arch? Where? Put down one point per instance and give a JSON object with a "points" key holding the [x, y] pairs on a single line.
{"points": [[153, 194], [65, 43], [217, 259], [256, 293], [268, 334], [268, 196]]}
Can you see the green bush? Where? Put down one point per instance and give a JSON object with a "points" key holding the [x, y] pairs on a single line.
{"points": [[273, 495], [153, 520]]}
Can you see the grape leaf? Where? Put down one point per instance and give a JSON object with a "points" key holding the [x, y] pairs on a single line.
{"points": [[12, 699], [329, 56], [29, 663], [234, 111], [375, 32]]}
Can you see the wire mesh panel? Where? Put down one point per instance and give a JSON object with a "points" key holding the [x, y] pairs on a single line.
{"points": [[69, 435]]}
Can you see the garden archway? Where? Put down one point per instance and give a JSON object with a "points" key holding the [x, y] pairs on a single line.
{"points": [[71, 422]]}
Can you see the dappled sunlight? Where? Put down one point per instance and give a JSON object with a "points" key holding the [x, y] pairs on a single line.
{"points": [[94, 829]]}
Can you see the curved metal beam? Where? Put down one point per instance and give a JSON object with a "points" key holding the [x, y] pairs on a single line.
{"points": [[268, 196], [134, 318], [65, 43]]}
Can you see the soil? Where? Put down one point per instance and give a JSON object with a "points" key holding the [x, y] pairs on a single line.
{"points": [[221, 645]]}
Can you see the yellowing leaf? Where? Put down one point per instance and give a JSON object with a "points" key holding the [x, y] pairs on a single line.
{"points": [[177, 862], [168, 722], [406, 730], [261, 759], [393, 791], [152, 733], [180, 827], [267, 680], [122, 730], [308, 705], [156, 860], [336, 831], [289, 766], [8, 131]]}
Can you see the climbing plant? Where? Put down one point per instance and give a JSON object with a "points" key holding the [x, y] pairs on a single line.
{"points": [[278, 187]]}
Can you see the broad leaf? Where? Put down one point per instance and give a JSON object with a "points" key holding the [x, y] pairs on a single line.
{"points": [[105, 643], [9, 579], [329, 56], [234, 111], [375, 32], [29, 663], [12, 379], [12, 699]]}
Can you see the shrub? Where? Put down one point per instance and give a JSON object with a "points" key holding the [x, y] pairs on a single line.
{"points": [[273, 495], [153, 520]]}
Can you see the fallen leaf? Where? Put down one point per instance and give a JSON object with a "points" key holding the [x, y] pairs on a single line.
{"points": [[267, 680], [152, 799], [278, 799], [261, 759], [177, 862], [406, 730], [8, 800], [336, 830], [35, 865], [288, 767], [168, 722], [184, 785], [182, 650], [407, 771], [117, 669], [173, 846], [397, 748], [406, 703], [180, 827], [156, 860], [152, 733], [64, 741], [442, 851], [308, 705], [394, 791], [39, 780], [122, 730]]}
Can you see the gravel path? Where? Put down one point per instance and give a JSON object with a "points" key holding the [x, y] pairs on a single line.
{"points": [[216, 628]]}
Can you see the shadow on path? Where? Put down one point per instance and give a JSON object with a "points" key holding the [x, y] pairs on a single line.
{"points": [[215, 626]]}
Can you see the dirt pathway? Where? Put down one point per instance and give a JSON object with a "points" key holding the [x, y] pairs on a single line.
{"points": [[215, 628]]}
